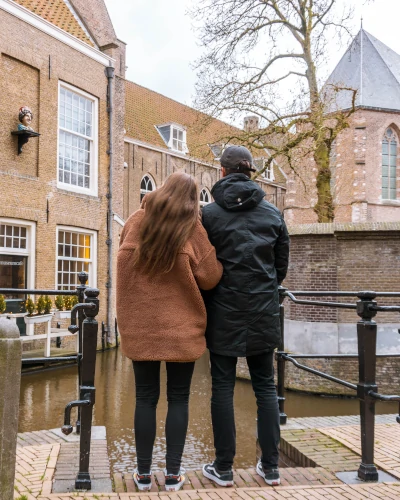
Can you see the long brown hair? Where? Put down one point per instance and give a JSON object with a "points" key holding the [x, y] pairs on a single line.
{"points": [[171, 213]]}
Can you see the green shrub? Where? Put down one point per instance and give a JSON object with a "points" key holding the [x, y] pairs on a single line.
{"points": [[2, 304], [40, 305], [30, 306], [59, 302], [68, 303], [48, 304]]}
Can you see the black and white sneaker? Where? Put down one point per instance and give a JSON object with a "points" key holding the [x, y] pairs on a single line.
{"points": [[222, 478], [174, 482], [142, 481], [271, 476]]}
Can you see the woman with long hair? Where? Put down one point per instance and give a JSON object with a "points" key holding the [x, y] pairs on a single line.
{"points": [[164, 259]]}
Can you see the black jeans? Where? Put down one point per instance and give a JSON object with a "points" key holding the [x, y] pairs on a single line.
{"points": [[147, 381], [223, 372]]}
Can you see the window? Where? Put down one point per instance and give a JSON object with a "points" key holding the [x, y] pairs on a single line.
{"points": [[13, 237], [75, 253], [269, 171], [205, 197], [174, 136], [77, 141], [17, 264], [147, 185], [178, 141], [389, 165]]}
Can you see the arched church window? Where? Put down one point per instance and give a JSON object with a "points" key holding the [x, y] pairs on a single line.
{"points": [[205, 197], [147, 185], [389, 165]]}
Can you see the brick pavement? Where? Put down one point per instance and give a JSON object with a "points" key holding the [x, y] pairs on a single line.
{"points": [[44, 456], [352, 492], [387, 439]]}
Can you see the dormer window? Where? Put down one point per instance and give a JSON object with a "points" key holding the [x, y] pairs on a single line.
{"points": [[174, 136], [269, 170], [217, 150]]}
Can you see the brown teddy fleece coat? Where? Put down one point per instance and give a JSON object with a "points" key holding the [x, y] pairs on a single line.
{"points": [[164, 318]]}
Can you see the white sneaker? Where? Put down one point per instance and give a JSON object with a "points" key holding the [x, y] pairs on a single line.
{"points": [[174, 482], [271, 476], [142, 481], [222, 478]]}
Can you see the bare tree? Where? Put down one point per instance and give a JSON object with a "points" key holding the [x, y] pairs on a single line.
{"points": [[264, 57]]}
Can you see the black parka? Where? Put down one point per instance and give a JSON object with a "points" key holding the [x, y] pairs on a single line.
{"points": [[252, 243]]}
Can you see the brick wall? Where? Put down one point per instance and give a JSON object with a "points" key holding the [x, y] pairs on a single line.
{"points": [[29, 182], [387, 375], [349, 257]]}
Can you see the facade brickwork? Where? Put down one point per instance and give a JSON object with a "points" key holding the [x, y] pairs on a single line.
{"points": [[351, 260], [31, 75], [356, 165]]}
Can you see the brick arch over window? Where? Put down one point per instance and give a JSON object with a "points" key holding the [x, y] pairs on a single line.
{"points": [[389, 164], [205, 197], [147, 185]]}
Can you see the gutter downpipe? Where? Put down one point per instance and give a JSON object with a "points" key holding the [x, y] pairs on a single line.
{"points": [[109, 71]]}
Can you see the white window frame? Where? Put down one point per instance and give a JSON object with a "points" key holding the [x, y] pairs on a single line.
{"points": [[29, 251], [389, 188], [94, 167], [145, 191], [269, 173], [204, 203], [92, 282], [184, 149]]}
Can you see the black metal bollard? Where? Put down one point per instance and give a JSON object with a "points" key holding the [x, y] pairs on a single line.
{"points": [[87, 389], [366, 336], [281, 362], [83, 277]]}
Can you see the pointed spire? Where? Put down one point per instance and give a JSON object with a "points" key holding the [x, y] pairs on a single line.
{"points": [[361, 22], [361, 63]]}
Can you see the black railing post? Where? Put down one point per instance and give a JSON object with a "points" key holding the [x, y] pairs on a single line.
{"points": [[87, 389], [83, 277], [116, 333], [281, 362], [366, 336]]}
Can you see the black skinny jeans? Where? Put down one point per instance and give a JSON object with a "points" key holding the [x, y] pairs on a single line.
{"points": [[223, 371], [147, 381]]}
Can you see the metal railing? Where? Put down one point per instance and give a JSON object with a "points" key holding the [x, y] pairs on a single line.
{"points": [[366, 389], [83, 323]]}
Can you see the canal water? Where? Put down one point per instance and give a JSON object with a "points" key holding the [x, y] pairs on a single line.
{"points": [[44, 395]]}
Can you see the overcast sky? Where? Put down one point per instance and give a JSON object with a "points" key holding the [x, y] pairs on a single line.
{"points": [[162, 44]]}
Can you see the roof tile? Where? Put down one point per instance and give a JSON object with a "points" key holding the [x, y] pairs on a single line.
{"points": [[58, 13]]}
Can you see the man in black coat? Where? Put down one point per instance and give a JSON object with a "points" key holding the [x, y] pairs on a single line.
{"points": [[252, 243]]}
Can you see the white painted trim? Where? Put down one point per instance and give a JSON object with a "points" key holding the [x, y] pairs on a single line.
{"points": [[31, 254], [54, 31], [119, 219], [94, 155], [30, 250], [173, 153], [93, 274]]}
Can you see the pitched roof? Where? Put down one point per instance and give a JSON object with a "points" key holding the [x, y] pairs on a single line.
{"points": [[145, 109], [373, 69], [61, 14]]}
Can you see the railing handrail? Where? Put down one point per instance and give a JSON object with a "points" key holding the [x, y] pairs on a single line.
{"points": [[35, 291], [367, 390]]}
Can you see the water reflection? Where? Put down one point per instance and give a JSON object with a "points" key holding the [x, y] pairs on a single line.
{"points": [[44, 395]]}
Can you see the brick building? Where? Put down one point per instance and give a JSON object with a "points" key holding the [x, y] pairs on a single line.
{"points": [[365, 159], [163, 135], [54, 212]]}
